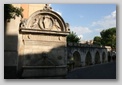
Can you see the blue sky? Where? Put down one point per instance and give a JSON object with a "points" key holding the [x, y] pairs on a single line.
{"points": [[87, 20]]}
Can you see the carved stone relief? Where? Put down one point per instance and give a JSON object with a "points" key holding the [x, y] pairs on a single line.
{"points": [[23, 23], [45, 19], [44, 22], [34, 23], [44, 41], [47, 7]]}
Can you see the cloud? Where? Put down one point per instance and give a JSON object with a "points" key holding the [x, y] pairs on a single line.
{"points": [[98, 30], [80, 30], [80, 36], [111, 16], [50, 5], [57, 11], [107, 21], [81, 16]]}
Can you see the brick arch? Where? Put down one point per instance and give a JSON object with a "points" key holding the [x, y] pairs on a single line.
{"points": [[97, 57], [88, 58]]}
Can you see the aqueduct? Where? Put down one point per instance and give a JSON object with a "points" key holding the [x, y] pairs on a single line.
{"points": [[84, 55]]}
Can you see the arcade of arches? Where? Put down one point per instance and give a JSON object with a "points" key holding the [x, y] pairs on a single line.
{"points": [[77, 58], [85, 56]]}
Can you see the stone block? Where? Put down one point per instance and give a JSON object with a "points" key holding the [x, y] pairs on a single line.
{"points": [[44, 71], [10, 43], [10, 58]]}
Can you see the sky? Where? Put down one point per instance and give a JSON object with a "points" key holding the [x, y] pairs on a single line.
{"points": [[87, 20]]}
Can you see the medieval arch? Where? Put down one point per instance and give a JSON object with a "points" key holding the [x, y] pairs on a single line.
{"points": [[76, 59], [103, 57], [97, 58], [88, 59], [109, 56]]}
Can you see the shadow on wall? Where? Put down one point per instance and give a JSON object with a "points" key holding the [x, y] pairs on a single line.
{"points": [[11, 26], [41, 65], [88, 59], [10, 51], [97, 58], [10, 56], [55, 59]]}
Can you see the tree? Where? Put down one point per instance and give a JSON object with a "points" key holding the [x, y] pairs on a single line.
{"points": [[108, 37], [72, 37], [10, 12], [97, 40]]}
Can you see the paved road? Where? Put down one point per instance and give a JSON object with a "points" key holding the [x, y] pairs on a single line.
{"points": [[102, 71]]}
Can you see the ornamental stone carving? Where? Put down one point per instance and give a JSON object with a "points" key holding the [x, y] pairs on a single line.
{"points": [[47, 7], [43, 46], [46, 22], [45, 19], [23, 23]]}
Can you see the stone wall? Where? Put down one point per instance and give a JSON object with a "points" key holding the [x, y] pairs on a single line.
{"points": [[83, 49], [11, 42], [42, 44]]}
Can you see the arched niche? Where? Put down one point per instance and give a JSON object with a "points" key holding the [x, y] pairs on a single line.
{"points": [[103, 57], [88, 59], [76, 59], [97, 58]]}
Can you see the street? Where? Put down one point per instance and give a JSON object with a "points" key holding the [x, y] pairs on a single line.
{"points": [[100, 71]]}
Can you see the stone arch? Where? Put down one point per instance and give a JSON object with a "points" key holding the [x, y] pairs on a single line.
{"points": [[109, 57], [97, 58], [103, 57], [88, 59], [76, 59]]}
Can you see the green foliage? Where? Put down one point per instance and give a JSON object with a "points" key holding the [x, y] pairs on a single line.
{"points": [[10, 12], [72, 37], [97, 40], [108, 37]]}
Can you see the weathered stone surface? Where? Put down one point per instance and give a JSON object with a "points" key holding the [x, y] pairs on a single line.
{"points": [[43, 41], [11, 42], [83, 54], [46, 71], [10, 58]]}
